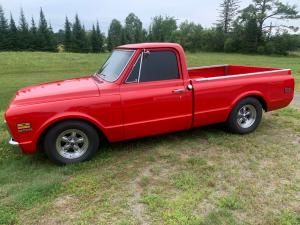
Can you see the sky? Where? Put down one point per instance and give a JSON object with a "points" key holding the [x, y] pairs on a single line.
{"points": [[204, 12]]}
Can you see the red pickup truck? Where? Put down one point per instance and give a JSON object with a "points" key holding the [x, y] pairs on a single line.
{"points": [[141, 90]]}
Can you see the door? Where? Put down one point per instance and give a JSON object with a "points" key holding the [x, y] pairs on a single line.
{"points": [[154, 98]]}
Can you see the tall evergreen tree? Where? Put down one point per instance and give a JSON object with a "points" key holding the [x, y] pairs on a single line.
{"points": [[227, 13], [100, 37], [33, 36], [133, 29], [68, 36], [94, 40], [42, 32], [114, 37], [45, 35], [52, 46], [80, 43], [4, 43], [13, 35], [24, 36]]}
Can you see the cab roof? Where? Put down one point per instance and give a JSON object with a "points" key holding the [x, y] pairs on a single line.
{"points": [[150, 45]]}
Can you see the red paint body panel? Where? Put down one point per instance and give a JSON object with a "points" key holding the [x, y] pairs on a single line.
{"points": [[125, 111]]}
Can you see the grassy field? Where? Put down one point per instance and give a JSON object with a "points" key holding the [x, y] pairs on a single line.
{"points": [[202, 176]]}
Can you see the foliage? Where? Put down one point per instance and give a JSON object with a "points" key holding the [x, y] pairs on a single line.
{"points": [[4, 45], [67, 36], [227, 14], [45, 35], [190, 35], [244, 31], [163, 29], [79, 38], [115, 34], [133, 29]]}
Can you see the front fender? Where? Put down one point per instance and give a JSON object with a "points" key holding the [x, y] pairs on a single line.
{"points": [[66, 116]]}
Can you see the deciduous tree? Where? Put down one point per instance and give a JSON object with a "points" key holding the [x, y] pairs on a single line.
{"points": [[114, 37], [133, 29], [163, 29]]}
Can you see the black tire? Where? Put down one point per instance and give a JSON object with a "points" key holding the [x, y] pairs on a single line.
{"points": [[53, 142], [235, 121]]}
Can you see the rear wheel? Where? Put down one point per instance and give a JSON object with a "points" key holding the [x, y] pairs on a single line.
{"points": [[71, 142], [245, 117]]}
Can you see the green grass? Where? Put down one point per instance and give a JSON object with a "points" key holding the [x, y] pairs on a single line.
{"points": [[204, 176], [19, 69]]}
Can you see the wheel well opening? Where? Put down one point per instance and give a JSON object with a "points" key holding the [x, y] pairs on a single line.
{"points": [[43, 134], [262, 102]]}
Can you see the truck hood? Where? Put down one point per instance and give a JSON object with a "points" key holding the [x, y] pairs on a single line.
{"points": [[56, 91]]}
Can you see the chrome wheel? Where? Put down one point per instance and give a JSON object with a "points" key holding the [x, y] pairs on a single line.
{"points": [[246, 116], [72, 143]]}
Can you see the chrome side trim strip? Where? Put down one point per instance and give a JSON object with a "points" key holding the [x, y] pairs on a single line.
{"points": [[240, 75], [207, 67], [13, 142]]}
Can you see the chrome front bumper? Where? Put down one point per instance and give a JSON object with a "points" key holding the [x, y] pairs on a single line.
{"points": [[13, 142]]}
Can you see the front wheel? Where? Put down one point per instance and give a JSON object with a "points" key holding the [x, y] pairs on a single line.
{"points": [[71, 142], [245, 116]]}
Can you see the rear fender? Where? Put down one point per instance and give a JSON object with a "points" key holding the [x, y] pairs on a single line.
{"points": [[250, 94]]}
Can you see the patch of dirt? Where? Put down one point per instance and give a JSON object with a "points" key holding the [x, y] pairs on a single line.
{"points": [[137, 207], [63, 204], [296, 101]]}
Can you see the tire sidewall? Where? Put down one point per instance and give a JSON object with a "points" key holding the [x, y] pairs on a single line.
{"points": [[54, 132], [232, 121]]}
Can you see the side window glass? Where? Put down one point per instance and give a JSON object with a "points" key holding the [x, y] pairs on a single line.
{"points": [[159, 65], [134, 74]]}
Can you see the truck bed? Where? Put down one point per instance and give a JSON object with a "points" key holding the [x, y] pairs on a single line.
{"points": [[217, 89], [220, 71]]}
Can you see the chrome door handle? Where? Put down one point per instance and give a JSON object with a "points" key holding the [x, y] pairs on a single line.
{"points": [[178, 91]]}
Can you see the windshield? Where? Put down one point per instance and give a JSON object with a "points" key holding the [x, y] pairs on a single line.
{"points": [[115, 64]]}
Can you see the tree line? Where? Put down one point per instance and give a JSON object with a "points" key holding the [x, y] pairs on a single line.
{"points": [[247, 30]]}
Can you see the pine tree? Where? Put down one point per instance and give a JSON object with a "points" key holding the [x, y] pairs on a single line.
{"points": [[94, 40], [100, 37], [33, 36], [85, 40], [67, 36], [52, 46], [24, 37], [42, 32], [4, 42], [80, 43], [13, 35], [229, 9], [45, 35]]}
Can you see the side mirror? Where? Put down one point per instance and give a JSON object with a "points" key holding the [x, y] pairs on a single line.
{"points": [[146, 53]]}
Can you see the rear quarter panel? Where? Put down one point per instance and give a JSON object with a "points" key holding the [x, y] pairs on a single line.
{"points": [[215, 98]]}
